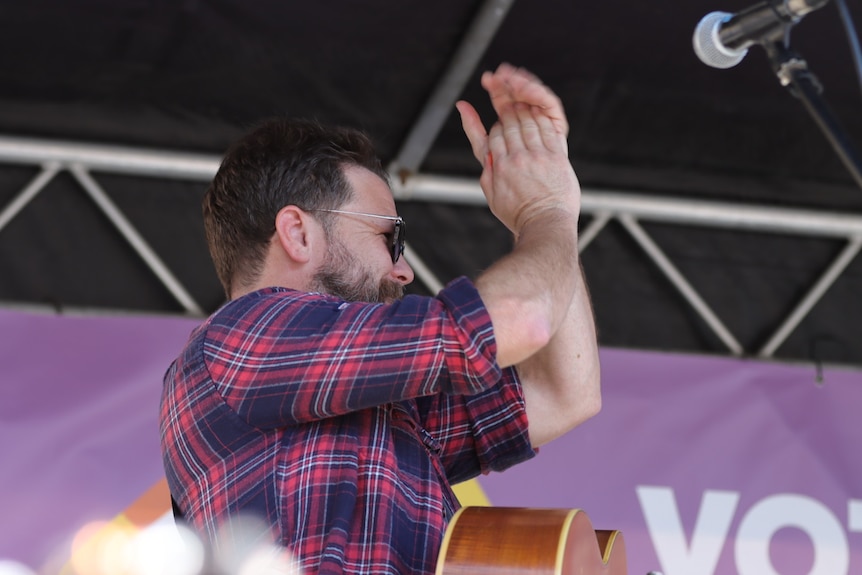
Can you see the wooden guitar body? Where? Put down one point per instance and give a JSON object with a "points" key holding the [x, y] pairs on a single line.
{"points": [[522, 541]]}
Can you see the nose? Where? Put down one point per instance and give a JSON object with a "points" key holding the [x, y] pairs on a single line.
{"points": [[402, 272]]}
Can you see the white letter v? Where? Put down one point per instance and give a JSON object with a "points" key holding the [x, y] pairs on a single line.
{"points": [[666, 531]]}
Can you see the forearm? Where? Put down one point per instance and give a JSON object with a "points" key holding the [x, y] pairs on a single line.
{"points": [[532, 189], [562, 380], [528, 292]]}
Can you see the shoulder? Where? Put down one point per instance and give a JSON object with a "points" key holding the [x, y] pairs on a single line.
{"points": [[277, 308]]}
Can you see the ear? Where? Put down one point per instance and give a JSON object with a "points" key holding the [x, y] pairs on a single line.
{"points": [[294, 233]]}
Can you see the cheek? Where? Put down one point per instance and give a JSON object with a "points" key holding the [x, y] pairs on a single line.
{"points": [[376, 255], [366, 263]]}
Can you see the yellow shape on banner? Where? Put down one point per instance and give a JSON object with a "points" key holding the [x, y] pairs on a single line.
{"points": [[471, 493], [151, 505], [99, 547]]}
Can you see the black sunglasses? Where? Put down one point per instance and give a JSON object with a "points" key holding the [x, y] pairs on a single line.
{"points": [[399, 234]]}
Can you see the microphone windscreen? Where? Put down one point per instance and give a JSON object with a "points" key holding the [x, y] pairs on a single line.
{"points": [[708, 46]]}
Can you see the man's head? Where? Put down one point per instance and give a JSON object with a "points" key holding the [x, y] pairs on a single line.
{"points": [[281, 163]]}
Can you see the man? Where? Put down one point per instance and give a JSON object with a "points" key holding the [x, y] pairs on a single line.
{"points": [[320, 399]]}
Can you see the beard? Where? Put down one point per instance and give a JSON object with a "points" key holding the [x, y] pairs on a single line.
{"points": [[342, 277]]}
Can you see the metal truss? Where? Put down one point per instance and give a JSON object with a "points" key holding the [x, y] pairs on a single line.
{"points": [[630, 209], [627, 208]]}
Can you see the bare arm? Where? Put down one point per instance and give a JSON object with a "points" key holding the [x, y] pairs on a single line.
{"points": [[530, 187], [562, 380], [536, 295]]}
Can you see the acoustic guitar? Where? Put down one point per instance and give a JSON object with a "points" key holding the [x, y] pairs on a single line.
{"points": [[522, 541]]}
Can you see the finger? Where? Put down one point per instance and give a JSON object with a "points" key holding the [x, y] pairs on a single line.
{"points": [[497, 145], [495, 83], [524, 87], [499, 92], [507, 71], [496, 80], [551, 138], [530, 129], [508, 85], [474, 130], [512, 129]]}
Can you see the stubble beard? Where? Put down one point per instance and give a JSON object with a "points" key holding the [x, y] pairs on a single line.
{"points": [[343, 277]]}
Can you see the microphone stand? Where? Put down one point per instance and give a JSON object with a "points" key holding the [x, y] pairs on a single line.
{"points": [[793, 73]]}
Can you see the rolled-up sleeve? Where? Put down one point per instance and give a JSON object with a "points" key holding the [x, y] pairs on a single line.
{"points": [[280, 357]]}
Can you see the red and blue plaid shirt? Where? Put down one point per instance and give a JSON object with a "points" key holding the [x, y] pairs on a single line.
{"points": [[341, 424]]}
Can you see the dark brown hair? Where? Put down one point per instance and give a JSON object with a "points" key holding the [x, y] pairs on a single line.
{"points": [[279, 163]]}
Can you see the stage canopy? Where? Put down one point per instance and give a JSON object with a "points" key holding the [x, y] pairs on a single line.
{"points": [[717, 217]]}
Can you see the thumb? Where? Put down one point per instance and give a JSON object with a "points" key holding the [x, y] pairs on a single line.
{"points": [[474, 130]]}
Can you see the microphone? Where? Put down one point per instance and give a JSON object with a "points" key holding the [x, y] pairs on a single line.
{"points": [[721, 40]]}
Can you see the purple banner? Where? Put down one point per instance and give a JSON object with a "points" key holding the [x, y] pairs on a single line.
{"points": [[708, 466], [78, 423]]}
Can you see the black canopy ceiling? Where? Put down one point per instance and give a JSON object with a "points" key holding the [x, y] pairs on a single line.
{"points": [[648, 119]]}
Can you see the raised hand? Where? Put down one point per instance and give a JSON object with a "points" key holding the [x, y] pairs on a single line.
{"points": [[524, 156], [510, 85]]}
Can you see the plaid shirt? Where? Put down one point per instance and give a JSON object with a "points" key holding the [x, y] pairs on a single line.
{"points": [[341, 424]]}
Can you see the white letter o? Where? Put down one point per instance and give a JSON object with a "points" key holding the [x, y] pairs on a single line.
{"points": [[831, 551]]}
